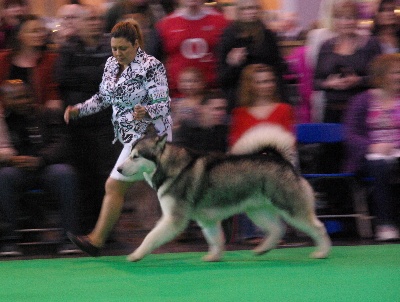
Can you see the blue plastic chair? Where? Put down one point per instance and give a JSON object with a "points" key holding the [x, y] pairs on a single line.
{"points": [[319, 133], [323, 133]]}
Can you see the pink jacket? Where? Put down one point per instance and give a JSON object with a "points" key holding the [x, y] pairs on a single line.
{"points": [[298, 65]]}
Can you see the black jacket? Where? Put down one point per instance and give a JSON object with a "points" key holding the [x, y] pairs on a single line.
{"points": [[41, 134], [78, 71], [267, 53]]}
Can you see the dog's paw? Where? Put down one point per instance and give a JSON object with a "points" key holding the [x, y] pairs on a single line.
{"points": [[212, 257], [133, 257], [260, 251], [322, 250], [319, 255]]}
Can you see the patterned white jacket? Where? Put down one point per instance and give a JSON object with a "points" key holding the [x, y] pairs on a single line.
{"points": [[144, 82]]}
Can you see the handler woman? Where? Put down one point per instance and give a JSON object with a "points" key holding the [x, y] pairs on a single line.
{"points": [[135, 85]]}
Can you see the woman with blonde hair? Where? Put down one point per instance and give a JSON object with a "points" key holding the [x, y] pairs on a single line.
{"points": [[259, 103], [341, 71]]}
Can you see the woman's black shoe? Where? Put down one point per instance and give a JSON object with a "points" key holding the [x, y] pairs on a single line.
{"points": [[84, 244]]}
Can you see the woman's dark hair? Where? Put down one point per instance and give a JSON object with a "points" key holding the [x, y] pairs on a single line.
{"points": [[9, 3], [384, 2], [377, 27], [211, 95], [15, 44], [129, 30]]}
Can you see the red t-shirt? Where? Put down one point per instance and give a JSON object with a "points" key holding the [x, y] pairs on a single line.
{"points": [[191, 42]]}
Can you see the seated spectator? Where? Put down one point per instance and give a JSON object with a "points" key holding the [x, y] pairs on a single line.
{"points": [[189, 37], [247, 41], [290, 29], [209, 134], [6, 150], [11, 14], [341, 70], [303, 73], [372, 128], [119, 10], [387, 27], [37, 158], [191, 86], [29, 61], [314, 40], [259, 103], [68, 15]]}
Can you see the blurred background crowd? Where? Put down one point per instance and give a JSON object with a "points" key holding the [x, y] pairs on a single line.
{"points": [[231, 65]]}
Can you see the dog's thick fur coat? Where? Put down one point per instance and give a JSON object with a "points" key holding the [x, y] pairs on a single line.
{"points": [[256, 178]]}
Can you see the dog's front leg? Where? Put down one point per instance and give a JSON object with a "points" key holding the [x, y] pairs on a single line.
{"points": [[215, 239], [167, 228]]}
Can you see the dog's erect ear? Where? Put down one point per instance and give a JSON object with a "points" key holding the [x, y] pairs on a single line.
{"points": [[148, 177], [161, 141]]}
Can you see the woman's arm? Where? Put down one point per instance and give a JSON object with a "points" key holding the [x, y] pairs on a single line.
{"points": [[323, 69], [228, 73], [157, 86], [356, 131]]}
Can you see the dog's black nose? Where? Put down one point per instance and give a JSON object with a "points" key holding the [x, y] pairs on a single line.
{"points": [[119, 170]]}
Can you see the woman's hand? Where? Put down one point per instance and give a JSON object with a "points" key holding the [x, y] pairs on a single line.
{"points": [[236, 56], [30, 163], [338, 82], [139, 112], [71, 112], [382, 148], [352, 80]]}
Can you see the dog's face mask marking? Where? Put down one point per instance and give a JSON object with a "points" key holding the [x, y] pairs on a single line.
{"points": [[143, 158], [136, 164]]}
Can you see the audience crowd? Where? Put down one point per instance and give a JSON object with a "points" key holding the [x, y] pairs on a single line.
{"points": [[225, 77]]}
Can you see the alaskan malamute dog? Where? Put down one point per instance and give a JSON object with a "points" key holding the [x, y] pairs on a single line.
{"points": [[256, 178]]}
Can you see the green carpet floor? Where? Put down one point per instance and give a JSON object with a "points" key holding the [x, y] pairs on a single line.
{"points": [[352, 273]]}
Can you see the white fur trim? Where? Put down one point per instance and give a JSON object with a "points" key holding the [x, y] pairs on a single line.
{"points": [[266, 135]]}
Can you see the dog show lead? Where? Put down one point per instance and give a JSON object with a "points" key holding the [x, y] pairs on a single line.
{"points": [[135, 85]]}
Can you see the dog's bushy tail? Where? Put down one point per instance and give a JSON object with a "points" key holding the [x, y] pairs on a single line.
{"points": [[266, 136]]}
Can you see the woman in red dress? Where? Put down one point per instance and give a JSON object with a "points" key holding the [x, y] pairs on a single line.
{"points": [[259, 103]]}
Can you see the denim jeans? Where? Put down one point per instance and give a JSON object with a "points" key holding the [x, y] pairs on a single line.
{"points": [[382, 197], [59, 180]]}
